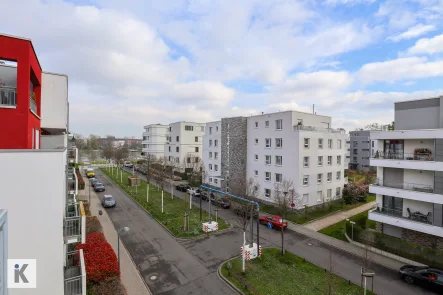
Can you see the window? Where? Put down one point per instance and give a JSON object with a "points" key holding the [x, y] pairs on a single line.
{"points": [[210, 167], [256, 157], [256, 141], [215, 180], [319, 178], [210, 142], [189, 128], [355, 151], [216, 155], [256, 172], [177, 138], [210, 130], [177, 160], [266, 124], [305, 199], [305, 180], [319, 196], [215, 142], [279, 124], [372, 143], [210, 155], [278, 177], [337, 192], [188, 160], [196, 139], [278, 160], [170, 129], [354, 159], [268, 160], [268, 176], [355, 143], [339, 143], [210, 179], [329, 160], [328, 194], [320, 160], [256, 124], [177, 149], [215, 167], [169, 158], [278, 142], [267, 193], [305, 162], [169, 148], [338, 160], [268, 142], [306, 143], [320, 143], [202, 128], [338, 175], [329, 177], [216, 128], [196, 149], [330, 143]]}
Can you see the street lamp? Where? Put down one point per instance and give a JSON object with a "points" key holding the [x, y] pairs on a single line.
{"points": [[119, 232], [352, 224]]}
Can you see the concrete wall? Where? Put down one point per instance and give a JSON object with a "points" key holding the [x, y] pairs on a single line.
{"points": [[419, 177], [186, 142], [418, 114], [213, 132], [3, 250], [35, 204], [411, 144], [53, 141], [360, 160], [154, 139], [54, 112]]}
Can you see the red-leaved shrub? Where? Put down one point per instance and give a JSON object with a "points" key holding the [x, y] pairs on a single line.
{"points": [[96, 237], [109, 286]]}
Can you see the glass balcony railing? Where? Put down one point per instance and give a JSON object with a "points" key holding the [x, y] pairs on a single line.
{"points": [[409, 214], [33, 106], [75, 273], [8, 96], [403, 156], [425, 188]]}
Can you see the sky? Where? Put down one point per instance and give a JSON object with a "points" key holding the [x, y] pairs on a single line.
{"points": [[138, 62]]}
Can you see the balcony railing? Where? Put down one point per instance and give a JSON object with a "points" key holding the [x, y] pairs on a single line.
{"points": [[318, 129], [8, 96], [75, 273], [411, 215], [33, 106], [403, 156], [424, 188], [75, 223]]}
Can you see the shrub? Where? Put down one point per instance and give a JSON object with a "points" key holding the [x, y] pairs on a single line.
{"points": [[81, 182], [95, 237], [109, 286], [93, 225]]}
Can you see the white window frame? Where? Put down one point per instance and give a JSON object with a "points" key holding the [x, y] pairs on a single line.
{"points": [[329, 177], [320, 143], [328, 194], [255, 173], [305, 199], [277, 123], [338, 175], [215, 167], [339, 143], [210, 155], [256, 157], [278, 179], [215, 142], [267, 193], [329, 143], [267, 124], [320, 161], [338, 160], [215, 155], [319, 178], [189, 128], [268, 159], [277, 162], [268, 142], [329, 160], [277, 141], [337, 191], [306, 143], [306, 163], [305, 180], [210, 167], [268, 176]]}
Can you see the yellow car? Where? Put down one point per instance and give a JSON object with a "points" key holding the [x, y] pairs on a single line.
{"points": [[90, 173]]}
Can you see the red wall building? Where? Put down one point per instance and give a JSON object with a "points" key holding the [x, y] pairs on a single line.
{"points": [[20, 112]]}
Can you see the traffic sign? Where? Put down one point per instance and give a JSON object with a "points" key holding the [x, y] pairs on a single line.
{"points": [[269, 224], [292, 205]]}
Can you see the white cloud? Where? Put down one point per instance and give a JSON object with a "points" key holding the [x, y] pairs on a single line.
{"points": [[203, 92], [400, 69], [428, 45], [413, 32], [348, 2]]}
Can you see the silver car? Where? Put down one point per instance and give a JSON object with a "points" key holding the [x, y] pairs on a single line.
{"points": [[108, 201]]}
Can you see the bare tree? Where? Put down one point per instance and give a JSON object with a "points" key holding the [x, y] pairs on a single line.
{"points": [[244, 209], [160, 174], [282, 198], [119, 154], [148, 166]]}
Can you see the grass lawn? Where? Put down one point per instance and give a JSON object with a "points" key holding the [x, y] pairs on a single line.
{"points": [[172, 218], [338, 230], [301, 218], [288, 274]]}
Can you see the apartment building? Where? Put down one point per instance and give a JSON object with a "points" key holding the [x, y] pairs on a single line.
{"points": [[409, 163], [348, 150], [299, 147], [360, 150], [154, 140], [38, 183], [212, 154], [184, 144]]}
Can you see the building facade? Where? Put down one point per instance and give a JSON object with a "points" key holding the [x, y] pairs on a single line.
{"points": [[211, 154], [360, 150], [409, 163], [38, 183], [184, 144], [154, 140]]}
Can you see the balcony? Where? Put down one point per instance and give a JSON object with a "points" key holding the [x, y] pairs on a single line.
{"points": [[72, 155], [8, 97], [410, 219], [75, 273], [418, 160], [33, 106], [317, 129], [74, 228]]}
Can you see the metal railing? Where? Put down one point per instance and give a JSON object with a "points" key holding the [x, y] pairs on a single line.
{"points": [[8, 96], [425, 188], [75, 273], [33, 106], [402, 156], [410, 215], [318, 129], [72, 227]]}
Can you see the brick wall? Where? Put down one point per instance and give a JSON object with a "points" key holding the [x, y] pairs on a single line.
{"points": [[422, 239]]}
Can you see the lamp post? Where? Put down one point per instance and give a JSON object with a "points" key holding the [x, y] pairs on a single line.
{"points": [[119, 232], [352, 230]]}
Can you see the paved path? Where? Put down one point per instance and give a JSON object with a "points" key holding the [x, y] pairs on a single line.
{"points": [[337, 217], [130, 276]]}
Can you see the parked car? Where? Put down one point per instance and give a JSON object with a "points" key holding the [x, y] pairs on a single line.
{"points": [[182, 187], [194, 191], [222, 203], [428, 277], [206, 196], [108, 201], [246, 211], [128, 164], [90, 173], [92, 179], [94, 182], [99, 187], [275, 220]]}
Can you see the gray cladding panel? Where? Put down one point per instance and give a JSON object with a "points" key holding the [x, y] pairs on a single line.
{"points": [[438, 182], [422, 118], [393, 175], [417, 104], [439, 150], [438, 215]]}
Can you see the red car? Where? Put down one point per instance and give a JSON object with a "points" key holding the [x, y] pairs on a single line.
{"points": [[275, 220]]}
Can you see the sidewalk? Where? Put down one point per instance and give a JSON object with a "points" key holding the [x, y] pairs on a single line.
{"points": [[337, 217], [130, 276]]}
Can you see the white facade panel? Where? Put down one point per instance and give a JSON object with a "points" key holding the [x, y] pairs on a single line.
{"points": [[212, 154], [406, 194], [35, 204], [419, 178], [407, 164], [154, 140], [54, 101], [408, 134], [53, 141]]}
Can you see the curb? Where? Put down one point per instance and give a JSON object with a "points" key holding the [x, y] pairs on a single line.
{"points": [[169, 232], [225, 280]]}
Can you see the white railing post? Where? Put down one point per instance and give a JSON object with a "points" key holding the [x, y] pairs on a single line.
{"points": [[76, 182], [83, 272]]}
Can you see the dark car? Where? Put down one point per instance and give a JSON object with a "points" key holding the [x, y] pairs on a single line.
{"points": [[182, 187], [94, 182], [99, 187], [222, 203], [108, 201], [246, 212], [205, 196], [428, 277]]}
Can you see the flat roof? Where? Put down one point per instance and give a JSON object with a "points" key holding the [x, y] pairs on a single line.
{"points": [[26, 39], [400, 101], [287, 112]]}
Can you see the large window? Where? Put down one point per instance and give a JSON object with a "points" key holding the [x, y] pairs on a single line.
{"points": [[267, 193], [268, 176], [393, 205], [320, 143], [268, 142], [305, 180], [320, 160], [395, 147], [189, 128], [278, 177], [306, 143], [279, 124], [268, 159], [278, 142], [278, 160], [305, 162]]}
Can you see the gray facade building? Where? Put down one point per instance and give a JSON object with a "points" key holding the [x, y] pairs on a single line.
{"points": [[361, 149]]}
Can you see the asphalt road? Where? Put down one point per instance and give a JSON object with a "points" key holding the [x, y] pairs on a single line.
{"points": [[204, 255]]}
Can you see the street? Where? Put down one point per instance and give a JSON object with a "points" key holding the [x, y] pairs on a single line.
{"points": [[189, 266]]}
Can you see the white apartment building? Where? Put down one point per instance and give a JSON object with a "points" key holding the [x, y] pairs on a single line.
{"points": [[409, 163], [212, 154], [154, 140], [184, 143], [300, 147]]}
